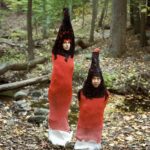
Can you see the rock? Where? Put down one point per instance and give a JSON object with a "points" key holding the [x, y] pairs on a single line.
{"points": [[36, 93], [20, 95], [45, 95], [70, 145], [37, 119], [1, 104], [41, 111], [20, 106], [146, 58]]}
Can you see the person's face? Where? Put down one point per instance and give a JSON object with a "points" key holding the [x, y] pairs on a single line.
{"points": [[96, 81], [66, 45]]}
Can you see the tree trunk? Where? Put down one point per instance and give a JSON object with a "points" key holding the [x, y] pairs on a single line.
{"points": [[3, 4], [24, 66], [19, 84], [83, 12], [148, 12], [29, 28], [143, 39], [131, 13], [104, 10], [44, 19], [136, 14], [118, 27], [94, 16], [70, 8]]}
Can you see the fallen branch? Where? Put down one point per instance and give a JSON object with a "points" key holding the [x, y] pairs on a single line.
{"points": [[25, 66], [19, 84], [8, 42], [85, 44]]}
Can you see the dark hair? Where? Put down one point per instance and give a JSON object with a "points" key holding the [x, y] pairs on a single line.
{"points": [[90, 91]]}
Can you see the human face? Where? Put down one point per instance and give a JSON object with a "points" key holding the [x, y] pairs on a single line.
{"points": [[96, 81], [66, 45]]}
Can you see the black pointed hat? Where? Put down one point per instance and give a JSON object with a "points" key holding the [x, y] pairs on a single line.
{"points": [[95, 67], [65, 32], [88, 90]]}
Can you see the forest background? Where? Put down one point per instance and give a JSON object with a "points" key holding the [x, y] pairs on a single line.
{"points": [[120, 28]]}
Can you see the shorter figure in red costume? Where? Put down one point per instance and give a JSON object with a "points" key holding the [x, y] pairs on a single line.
{"points": [[60, 89], [92, 101]]}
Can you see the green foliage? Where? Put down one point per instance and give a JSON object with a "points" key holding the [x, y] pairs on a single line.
{"points": [[46, 14], [109, 79], [51, 14], [79, 10], [17, 6], [18, 34], [80, 73], [12, 57]]}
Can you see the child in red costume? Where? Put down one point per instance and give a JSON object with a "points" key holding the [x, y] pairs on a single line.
{"points": [[92, 101], [60, 89]]}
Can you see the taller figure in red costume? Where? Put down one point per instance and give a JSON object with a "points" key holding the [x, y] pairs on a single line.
{"points": [[92, 101], [60, 89]]}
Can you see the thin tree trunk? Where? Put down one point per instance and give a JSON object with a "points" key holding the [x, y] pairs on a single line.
{"points": [[3, 4], [104, 10], [131, 12], [29, 28], [136, 14], [44, 19], [70, 8], [143, 39], [94, 16], [148, 12], [118, 28], [83, 13]]}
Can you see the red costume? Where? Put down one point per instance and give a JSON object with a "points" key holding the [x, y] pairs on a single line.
{"points": [[90, 121], [60, 93], [92, 102], [60, 89]]}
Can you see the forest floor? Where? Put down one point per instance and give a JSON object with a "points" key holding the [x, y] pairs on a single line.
{"points": [[126, 123], [123, 130]]}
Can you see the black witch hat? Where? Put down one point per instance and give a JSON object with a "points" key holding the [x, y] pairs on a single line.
{"points": [[88, 89], [65, 33]]}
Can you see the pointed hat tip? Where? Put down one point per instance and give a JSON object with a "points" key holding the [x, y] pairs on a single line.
{"points": [[66, 11], [96, 50]]}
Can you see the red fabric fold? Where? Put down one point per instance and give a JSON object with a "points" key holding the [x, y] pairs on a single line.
{"points": [[60, 92]]}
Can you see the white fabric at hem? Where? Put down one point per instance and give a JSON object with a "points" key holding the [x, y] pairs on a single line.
{"points": [[58, 137], [84, 145]]}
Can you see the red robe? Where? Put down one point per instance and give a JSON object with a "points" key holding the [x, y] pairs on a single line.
{"points": [[60, 92], [90, 122]]}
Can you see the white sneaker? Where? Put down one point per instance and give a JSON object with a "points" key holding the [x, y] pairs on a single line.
{"points": [[84, 145], [58, 137]]}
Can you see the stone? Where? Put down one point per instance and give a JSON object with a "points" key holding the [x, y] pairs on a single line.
{"points": [[20, 95]]}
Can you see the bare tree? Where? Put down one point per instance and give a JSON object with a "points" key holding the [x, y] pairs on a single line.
{"points": [[94, 16], [118, 27], [83, 12], [44, 19], [29, 28], [104, 10], [148, 16], [135, 15], [143, 38]]}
